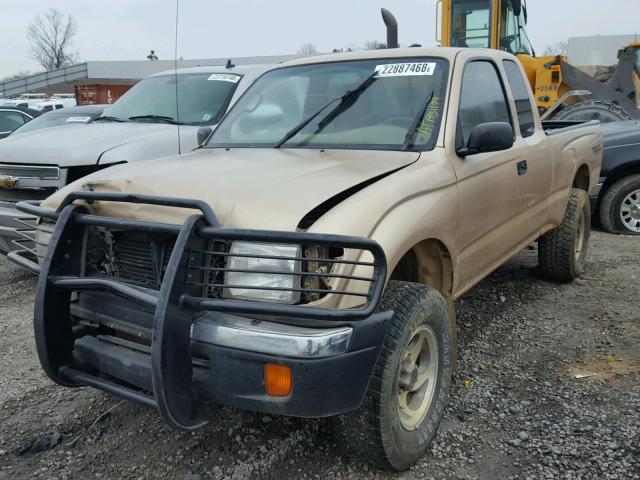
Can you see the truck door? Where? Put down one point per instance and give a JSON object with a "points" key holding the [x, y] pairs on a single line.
{"points": [[489, 184], [536, 158]]}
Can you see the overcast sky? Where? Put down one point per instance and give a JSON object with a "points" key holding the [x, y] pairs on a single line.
{"points": [[128, 29]]}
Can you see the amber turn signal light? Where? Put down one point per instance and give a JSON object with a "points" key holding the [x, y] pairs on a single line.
{"points": [[277, 380]]}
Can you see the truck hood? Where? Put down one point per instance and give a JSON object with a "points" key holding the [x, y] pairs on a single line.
{"points": [[247, 188], [73, 145]]}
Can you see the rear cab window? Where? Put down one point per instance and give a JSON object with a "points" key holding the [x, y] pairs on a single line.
{"points": [[521, 98], [10, 120]]}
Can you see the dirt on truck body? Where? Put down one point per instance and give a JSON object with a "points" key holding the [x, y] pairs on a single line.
{"points": [[306, 260]]}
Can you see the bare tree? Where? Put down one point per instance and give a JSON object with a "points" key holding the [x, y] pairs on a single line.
{"points": [[373, 45], [558, 48], [50, 36], [307, 49], [15, 76]]}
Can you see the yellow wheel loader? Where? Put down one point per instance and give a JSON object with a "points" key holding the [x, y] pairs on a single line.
{"points": [[562, 91]]}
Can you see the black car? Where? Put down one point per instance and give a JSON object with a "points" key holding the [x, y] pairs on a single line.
{"points": [[14, 117], [78, 115], [617, 198]]}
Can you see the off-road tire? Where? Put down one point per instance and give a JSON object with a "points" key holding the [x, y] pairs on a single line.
{"points": [[593, 110], [374, 432], [612, 202], [557, 249]]}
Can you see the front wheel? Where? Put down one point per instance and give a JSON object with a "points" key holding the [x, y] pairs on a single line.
{"points": [[562, 252], [620, 207], [409, 388]]}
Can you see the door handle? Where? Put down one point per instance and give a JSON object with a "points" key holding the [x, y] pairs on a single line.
{"points": [[522, 167]]}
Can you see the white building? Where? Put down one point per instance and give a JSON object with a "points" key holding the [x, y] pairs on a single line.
{"points": [[597, 50]]}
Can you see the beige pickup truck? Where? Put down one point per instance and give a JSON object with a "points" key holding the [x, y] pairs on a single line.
{"points": [[305, 261]]}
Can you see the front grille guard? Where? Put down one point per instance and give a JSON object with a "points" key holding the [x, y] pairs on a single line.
{"points": [[174, 305], [26, 243]]}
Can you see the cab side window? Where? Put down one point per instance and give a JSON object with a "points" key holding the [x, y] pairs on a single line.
{"points": [[482, 99], [521, 98]]}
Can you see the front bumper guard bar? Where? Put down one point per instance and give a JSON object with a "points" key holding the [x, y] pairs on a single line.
{"points": [[174, 305]]}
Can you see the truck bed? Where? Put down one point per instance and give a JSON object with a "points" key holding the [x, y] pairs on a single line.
{"points": [[553, 127]]}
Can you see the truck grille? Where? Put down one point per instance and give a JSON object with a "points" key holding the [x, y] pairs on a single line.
{"points": [[38, 181], [14, 195], [42, 173], [133, 257]]}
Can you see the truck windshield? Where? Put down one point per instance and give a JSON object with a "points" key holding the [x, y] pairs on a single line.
{"points": [[385, 104], [55, 119], [202, 99]]}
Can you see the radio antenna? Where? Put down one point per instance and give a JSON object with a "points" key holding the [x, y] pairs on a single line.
{"points": [[175, 69]]}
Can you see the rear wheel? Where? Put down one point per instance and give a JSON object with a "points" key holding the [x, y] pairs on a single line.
{"points": [[409, 387], [562, 252], [620, 207], [593, 110]]}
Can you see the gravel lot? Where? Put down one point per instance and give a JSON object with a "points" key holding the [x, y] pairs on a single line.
{"points": [[517, 410]]}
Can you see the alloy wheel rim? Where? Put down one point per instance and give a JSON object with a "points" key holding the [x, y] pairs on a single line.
{"points": [[417, 377], [630, 211]]}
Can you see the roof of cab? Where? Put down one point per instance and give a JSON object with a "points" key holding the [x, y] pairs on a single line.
{"points": [[442, 52], [86, 109], [247, 70]]}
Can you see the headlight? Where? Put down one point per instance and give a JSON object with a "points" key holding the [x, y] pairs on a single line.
{"points": [[277, 273]]}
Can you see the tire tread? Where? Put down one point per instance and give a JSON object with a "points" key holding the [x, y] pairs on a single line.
{"points": [[366, 441], [608, 207], [556, 248]]}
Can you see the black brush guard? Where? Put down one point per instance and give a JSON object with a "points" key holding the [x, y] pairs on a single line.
{"points": [[174, 305]]}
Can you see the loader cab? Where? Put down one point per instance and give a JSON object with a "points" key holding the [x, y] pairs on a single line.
{"points": [[496, 24], [632, 52]]}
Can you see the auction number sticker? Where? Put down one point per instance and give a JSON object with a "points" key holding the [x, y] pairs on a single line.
{"points": [[78, 119], [405, 69], [225, 77]]}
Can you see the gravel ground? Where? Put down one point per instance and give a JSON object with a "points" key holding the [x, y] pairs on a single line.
{"points": [[517, 410]]}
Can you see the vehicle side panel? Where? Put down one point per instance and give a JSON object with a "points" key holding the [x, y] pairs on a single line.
{"points": [[571, 149], [416, 203]]}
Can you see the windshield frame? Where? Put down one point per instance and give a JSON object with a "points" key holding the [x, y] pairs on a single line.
{"points": [[430, 145], [213, 121]]}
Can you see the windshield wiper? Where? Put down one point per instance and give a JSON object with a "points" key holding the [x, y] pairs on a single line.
{"points": [[412, 133], [108, 118], [160, 118], [348, 99], [345, 100]]}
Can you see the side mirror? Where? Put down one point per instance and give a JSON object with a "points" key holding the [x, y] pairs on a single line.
{"points": [[488, 137], [203, 135]]}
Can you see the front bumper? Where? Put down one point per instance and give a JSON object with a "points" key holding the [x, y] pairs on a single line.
{"points": [[176, 350], [331, 366]]}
